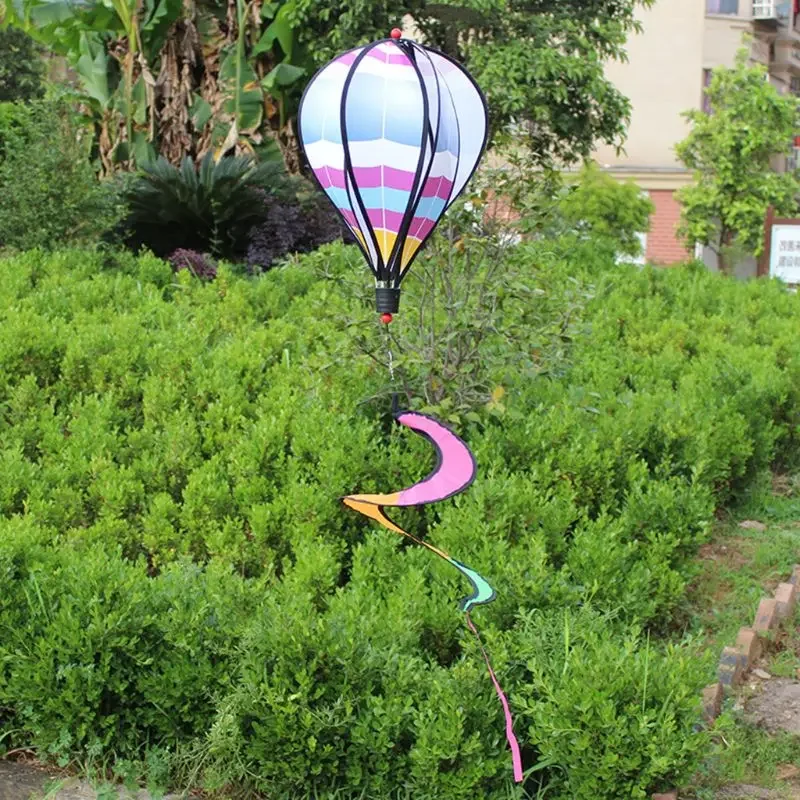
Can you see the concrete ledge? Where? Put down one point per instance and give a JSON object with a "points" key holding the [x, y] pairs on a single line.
{"points": [[749, 646], [785, 599], [766, 616]]}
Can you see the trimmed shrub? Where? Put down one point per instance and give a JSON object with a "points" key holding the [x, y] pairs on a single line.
{"points": [[613, 712], [179, 573]]}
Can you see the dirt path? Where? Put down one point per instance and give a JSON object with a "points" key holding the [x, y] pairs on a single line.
{"points": [[28, 781]]}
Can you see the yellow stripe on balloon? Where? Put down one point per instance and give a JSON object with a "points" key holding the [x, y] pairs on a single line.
{"points": [[386, 241], [409, 250]]}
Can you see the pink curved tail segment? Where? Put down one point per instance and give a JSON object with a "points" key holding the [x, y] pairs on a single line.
{"points": [[455, 468]]}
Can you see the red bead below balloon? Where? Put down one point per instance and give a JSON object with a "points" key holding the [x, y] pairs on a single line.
{"points": [[386, 318], [396, 33]]}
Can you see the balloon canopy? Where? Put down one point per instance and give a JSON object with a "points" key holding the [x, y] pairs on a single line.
{"points": [[393, 131]]}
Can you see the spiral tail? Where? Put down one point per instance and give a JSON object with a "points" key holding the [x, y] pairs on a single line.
{"points": [[454, 473]]}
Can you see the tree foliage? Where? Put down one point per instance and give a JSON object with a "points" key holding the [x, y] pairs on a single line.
{"points": [[731, 151], [21, 67], [49, 194], [540, 63], [607, 211], [172, 78], [179, 79]]}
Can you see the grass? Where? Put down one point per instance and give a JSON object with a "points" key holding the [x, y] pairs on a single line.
{"points": [[744, 755], [734, 571], [738, 568]]}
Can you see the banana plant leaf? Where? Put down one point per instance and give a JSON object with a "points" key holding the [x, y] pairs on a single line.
{"points": [[280, 30], [92, 66], [245, 97]]}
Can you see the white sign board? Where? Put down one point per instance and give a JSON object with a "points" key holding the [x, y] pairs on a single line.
{"points": [[784, 256]]}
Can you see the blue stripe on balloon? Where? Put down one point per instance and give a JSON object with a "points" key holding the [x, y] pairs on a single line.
{"points": [[339, 198], [430, 208], [321, 108], [398, 118], [390, 199]]}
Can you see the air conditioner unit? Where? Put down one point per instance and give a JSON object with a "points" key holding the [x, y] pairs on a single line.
{"points": [[772, 9]]}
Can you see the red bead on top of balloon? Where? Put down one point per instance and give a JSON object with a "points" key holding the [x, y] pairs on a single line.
{"points": [[396, 33], [386, 318]]}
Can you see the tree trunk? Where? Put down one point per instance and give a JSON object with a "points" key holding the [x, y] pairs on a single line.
{"points": [[724, 261]]}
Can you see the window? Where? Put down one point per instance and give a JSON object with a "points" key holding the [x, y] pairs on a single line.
{"points": [[794, 85], [793, 158], [641, 259], [722, 6], [706, 103]]}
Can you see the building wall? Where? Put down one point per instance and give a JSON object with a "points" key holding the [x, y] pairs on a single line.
{"points": [[663, 245], [662, 78], [723, 35]]}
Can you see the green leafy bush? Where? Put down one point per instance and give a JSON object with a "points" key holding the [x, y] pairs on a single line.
{"points": [[99, 657], [49, 193], [179, 573], [614, 713], [21, 67], [209, 206], [606, 211], [12, 119]]}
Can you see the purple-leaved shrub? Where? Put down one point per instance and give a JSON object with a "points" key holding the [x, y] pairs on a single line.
{"points": [[291, 225], [199, 264]]}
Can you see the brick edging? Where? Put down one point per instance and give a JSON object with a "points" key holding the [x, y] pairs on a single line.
{"points": [[736, 661]]}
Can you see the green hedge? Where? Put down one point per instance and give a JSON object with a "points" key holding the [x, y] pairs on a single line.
{"points": [[179, 576], [49, 193]]}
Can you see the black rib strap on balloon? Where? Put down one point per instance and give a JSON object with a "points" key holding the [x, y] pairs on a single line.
{"points": [[387, 299]]}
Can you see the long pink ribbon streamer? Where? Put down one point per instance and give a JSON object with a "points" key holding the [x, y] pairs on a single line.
{"points": [[516, 757]]}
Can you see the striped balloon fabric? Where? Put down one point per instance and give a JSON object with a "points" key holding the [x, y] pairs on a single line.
{"points": [[392, 131]]}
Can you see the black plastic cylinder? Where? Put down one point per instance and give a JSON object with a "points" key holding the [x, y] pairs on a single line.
{"points": [[387, 299]]}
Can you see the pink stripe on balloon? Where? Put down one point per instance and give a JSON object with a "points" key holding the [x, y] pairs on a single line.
{"points": [[368, 178], [516, 756], [454, 472], [388, 220], [348, 58], [437, 187], [349, 216], [422, 226], [397, 59], [397, 178], [330, 178]]}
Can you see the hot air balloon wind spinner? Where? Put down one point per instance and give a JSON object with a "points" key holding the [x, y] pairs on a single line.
{"points": [[393, 131]]}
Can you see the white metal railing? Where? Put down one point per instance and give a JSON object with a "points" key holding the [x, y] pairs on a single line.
{"points": [[771, 9]]}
